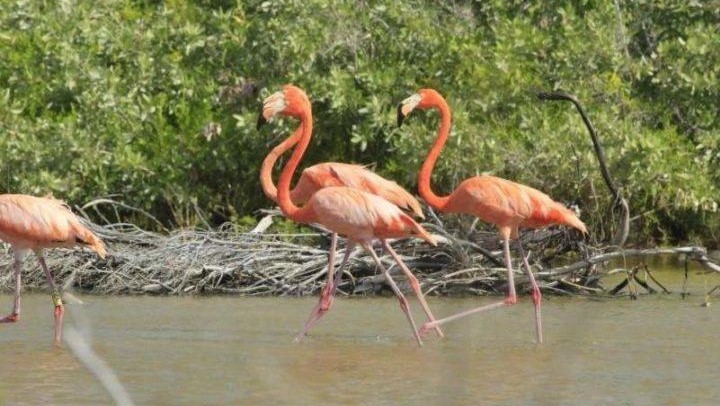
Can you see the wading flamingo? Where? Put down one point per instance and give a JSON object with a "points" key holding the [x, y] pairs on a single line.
{"points": [[506, 204], [30, 223], [355, 214], [330, 174]]}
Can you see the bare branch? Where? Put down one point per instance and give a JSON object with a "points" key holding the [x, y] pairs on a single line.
{"points": [[624, 230]]}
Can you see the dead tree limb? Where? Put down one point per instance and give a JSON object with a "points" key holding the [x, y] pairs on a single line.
{"points": [[223, 260], [693, 253], [647, 270], [622, 234]]}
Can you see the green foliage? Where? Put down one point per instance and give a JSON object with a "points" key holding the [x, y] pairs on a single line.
{"points": [[156, 102]]}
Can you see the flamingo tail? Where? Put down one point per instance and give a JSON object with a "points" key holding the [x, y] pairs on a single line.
{"points": [[86, 237]]}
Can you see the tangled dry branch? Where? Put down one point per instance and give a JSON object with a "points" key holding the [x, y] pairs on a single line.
{"points": [[186, 262]]}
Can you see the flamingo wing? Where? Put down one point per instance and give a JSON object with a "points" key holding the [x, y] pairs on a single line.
{"points": [[311, 180], [331, 174], [358, 177], [362, 216], [546, 211], [492, 199], [509, 204], [37, 222]]}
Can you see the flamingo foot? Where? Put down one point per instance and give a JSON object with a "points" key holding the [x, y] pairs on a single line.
{"points": [[425, 329], [327, 298], [10, 318]]}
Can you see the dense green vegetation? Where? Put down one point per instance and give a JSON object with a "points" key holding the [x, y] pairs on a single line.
{"points": [[155, 102]]}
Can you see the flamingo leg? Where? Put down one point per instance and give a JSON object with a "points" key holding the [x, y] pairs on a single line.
{"points": [[320, 309], [403, 301], [510, 299], [349, 248], [328, 292], [536, 295], [56, 298], [414, 284], [14, 316]]}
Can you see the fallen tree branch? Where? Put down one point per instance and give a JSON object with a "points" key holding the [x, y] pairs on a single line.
{"points": [[693, 252], [187, 262]]}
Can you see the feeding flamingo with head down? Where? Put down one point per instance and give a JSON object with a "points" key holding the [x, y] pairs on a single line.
{"points": [[507, 205], [359, 216], [31, 223], [329, 174]]}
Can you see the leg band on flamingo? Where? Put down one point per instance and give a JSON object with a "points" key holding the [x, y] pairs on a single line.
{"points": [[57, 299]]}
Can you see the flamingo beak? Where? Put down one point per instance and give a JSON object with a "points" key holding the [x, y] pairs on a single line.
{"points": [[406, 107], [400, 115], [273, 104], [261, 120]]}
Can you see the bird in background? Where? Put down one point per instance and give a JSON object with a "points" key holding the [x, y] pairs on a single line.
{"points": [[30, 223], [507, 205], [329, 174], [359, 216]]}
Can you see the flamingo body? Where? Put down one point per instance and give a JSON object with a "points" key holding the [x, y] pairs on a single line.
{"points": [[356, 214], [329, 174], [359, 215], [508, 205], [35, 223]]}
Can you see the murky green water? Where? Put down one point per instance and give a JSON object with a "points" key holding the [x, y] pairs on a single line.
{"points": [[227, 350]]}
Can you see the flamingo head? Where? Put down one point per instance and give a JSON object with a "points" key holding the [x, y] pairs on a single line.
{"points": [[423, 99], [291, 101]]}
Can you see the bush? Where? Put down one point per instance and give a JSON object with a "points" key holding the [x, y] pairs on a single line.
{"points": [[156, 102]]}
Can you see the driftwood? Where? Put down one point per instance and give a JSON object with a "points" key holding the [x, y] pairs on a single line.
{"points": [[632, 276], [185, 262], [624, 230], [694, 253]]}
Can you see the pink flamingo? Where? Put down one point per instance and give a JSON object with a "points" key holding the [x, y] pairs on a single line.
{"points": [[330, 174], [506, 204], [358, 215], [31, 223]]}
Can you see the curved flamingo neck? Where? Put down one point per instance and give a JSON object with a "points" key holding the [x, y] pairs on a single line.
{"points": [[288, 208], [266, 182], [437, 202]]}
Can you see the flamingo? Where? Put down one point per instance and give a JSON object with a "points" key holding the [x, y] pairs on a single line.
{"points": [[30, 223], [330, 174], [359, 216], [507, 205]]}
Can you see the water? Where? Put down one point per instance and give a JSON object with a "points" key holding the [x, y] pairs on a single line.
{"points": [[659, 349]]}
